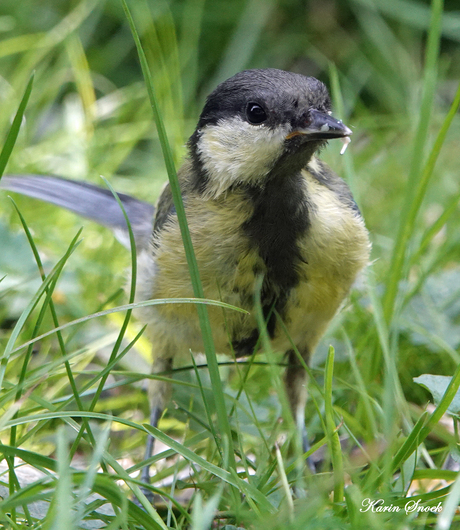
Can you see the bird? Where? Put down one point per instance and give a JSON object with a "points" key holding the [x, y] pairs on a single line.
{"points": [[262, 210]]}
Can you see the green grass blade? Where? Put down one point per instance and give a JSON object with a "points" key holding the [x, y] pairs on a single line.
{"points": [[47, 303], [449, 507], [179, 448], [210, 425], [285, 484], [63, 502], [227, 476], [333, 435], [54, 274], [126, 307], [412, 441], [443, 405], [435, 228], [121, 334], [90, 477], [222, 418], [15, 127], [415, 185], [423, 426]]}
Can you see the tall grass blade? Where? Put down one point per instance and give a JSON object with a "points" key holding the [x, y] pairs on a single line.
{"points": [[126, 307], [15, 127], [333, 435], [121, 334], [416, 186], [61, 510], [222, 418], [54, 274], [449, 507]]}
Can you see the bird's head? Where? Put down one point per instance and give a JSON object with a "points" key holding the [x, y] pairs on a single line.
{"points": [[260, 123]]}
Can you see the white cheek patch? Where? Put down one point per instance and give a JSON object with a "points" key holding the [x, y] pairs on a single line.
{"points": [[234, 151]]}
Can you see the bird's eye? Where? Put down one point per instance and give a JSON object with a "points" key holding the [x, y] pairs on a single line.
{"points": [[255, 113]]}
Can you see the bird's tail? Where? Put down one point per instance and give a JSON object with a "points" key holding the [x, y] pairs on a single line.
{"points": [[90, 201]]}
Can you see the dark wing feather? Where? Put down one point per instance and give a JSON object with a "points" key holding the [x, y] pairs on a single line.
{"points": [[90, 201]]}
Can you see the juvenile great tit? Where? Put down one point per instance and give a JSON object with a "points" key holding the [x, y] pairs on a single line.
{"points": [[258, 204]]}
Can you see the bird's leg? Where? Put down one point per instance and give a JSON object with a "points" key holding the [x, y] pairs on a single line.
{"points": [[159, 392], [155, 415], [295, 380]]}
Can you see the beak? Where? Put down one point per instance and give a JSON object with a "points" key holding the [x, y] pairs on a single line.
{"points": [[318, 126]]}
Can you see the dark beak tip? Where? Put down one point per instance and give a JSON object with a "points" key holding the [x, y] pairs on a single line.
{"points": [[321, 125], [330, 127]]}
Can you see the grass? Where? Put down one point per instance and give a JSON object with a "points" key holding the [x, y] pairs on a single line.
{"points": [[73, 361]]}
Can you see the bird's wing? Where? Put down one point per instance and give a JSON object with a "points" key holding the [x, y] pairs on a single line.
{"points": [[90, 201]]}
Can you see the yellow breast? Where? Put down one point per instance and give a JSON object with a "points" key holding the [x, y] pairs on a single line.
{"points": [[334, 249]]}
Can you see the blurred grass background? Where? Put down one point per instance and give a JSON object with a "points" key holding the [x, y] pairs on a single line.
{"points": [[89, 115]]}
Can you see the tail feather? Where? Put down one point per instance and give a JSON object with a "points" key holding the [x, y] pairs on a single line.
{"points": [[90, 201]]}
